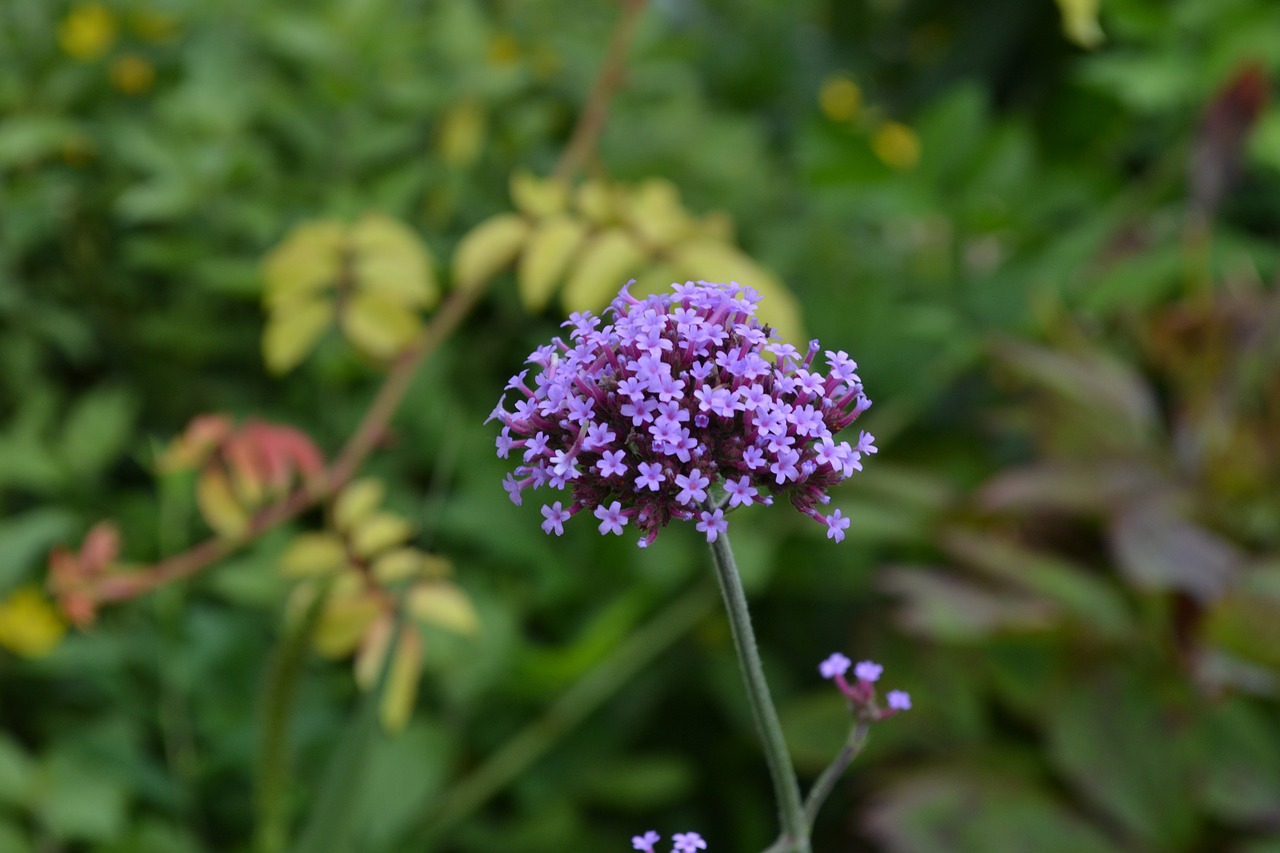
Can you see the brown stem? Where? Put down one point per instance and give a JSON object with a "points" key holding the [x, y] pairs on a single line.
{"points": [[595, 113], [353, 453]]}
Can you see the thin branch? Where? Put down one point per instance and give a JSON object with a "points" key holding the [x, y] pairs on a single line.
{"points": [[595, 113]]}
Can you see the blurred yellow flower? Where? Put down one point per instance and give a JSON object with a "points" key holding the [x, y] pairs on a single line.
{"points": [[29, 626], [896, 145], [87, 32], [132, 74], [839, 98], [503, 50], [150, 25]]}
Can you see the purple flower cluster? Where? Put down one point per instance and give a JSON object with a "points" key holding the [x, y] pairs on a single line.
{"points": [[683, 842], [862, 693], [681, 394]]}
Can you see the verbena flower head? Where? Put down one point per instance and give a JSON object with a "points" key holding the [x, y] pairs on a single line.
{"points": [[640, 418]]}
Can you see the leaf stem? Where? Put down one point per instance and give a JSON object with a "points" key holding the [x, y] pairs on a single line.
{"points": [[791, 814]]}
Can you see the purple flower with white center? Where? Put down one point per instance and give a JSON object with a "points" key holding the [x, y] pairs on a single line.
{"points": [[611, 518], [868, 671], [645, 414], [713, 524], [899, 700], [693, 488], [555, 519], [645, 842], [687, 842], [835, 664]]}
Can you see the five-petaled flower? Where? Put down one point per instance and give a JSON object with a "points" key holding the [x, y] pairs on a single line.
{"points": [[680, 406]]}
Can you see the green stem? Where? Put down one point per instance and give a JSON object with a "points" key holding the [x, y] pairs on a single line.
{"points": [[281, 688], [795, 827], [827, 781]]}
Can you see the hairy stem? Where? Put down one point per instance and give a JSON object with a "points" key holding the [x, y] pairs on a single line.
{"points": [[827, 781], [791, 814]]}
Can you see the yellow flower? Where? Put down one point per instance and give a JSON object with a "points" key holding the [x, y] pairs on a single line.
{"points": [[839, 98], [29, 626], [896, 145], [132, 74], [503, 50], [87, 32], [153, 26]]}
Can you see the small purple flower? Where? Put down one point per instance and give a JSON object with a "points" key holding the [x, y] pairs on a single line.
{"points": [[837, 524], [645, 842], [868, 671], [740, 491], [687, 842], [555, 519], [712, 524], [693, 488], [899, 700], [836, 664], [611, 463], [651, 476], [642, 413], [611, 518]]}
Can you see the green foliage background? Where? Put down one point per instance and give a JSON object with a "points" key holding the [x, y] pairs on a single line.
{"points": [[1067, 549]]}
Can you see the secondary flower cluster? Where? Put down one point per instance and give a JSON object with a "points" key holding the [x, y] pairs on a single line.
{"points": [[862, 693], [642, 417], [682, 842]]}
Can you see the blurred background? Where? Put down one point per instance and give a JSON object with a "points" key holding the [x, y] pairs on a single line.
{"points": [[1046, 231]]}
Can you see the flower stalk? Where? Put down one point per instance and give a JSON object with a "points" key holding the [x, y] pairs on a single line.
{"points": [[791, 811]]}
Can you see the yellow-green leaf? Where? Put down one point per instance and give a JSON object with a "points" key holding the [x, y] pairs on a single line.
{"points": [[293, 329], [373, 651], [343, 623], [1080, 22], [356, 502], [538, 197], [544, 262], [397, 565], [378, 326], [311, 554], [598, 201], [655, 213], [443, 605], [401, 690], [709, 260], [309, 259], [218, 504], [390, 261], [602, 268], [378, 532], [487, 248]]}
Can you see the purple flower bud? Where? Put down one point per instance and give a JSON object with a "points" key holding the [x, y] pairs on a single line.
{"points": [[868, 671], [836, 664], [899, 700]]}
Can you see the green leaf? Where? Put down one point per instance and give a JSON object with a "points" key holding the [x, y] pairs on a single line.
{"points": [[25, 539], [76, 801], [15, 772], [1128, 756], [96, 430]]}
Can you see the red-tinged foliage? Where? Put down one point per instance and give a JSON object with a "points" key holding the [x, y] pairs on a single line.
{"points": [[72, 575], [1219, 148]]}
